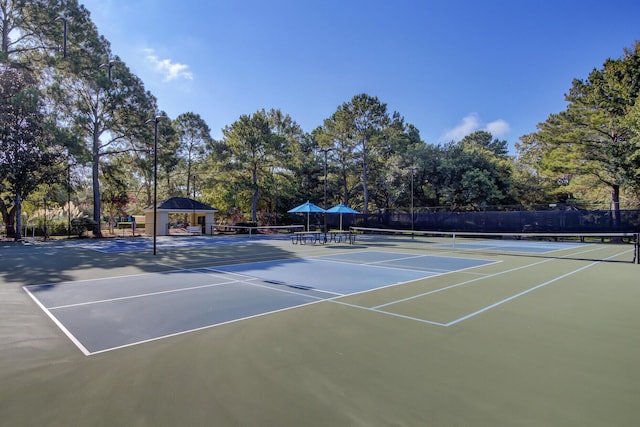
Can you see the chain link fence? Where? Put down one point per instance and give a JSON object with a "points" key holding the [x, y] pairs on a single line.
{"points": [[549, 221]]}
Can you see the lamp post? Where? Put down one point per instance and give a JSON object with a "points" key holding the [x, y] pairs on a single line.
{"points": [[412, 169], [109, 65], [193, 202], [45, 218], [69, 163], [155, 121], [324, 214]]}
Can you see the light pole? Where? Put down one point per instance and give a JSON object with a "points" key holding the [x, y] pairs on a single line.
{"points": [[69, 163], [412, 169], [155, 121], [45, 218], [193, 202], [109, 65], [324, 214]]}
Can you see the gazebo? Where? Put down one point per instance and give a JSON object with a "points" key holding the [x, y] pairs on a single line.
{"points": [[198, 212]]}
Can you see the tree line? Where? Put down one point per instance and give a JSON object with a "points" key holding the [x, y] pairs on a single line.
{"points": [[73, 121]]}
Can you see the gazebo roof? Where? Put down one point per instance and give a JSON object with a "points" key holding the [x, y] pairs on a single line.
{"points": [[182, 204]]}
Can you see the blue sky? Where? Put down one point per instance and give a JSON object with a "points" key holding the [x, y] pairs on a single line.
{"points": [[450, 67]]}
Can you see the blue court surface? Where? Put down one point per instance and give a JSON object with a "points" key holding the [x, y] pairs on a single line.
{"points": [[104, 314]]}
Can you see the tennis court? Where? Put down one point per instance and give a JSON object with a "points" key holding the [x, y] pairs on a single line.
{"points": [[391, 330], [100, 315]]}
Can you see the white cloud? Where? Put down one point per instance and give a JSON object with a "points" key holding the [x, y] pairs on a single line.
{"points": [[472, 123], [466, 126], [170, 70], [498, 128]]}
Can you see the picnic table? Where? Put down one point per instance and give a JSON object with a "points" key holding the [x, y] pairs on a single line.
{"points": [[307, 237], [313, 237], [338, 236]]}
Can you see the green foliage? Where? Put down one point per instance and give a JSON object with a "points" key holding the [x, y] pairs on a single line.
{"points": [[194, 138], [475, 172], [27, 159], [55, 219], [259, 147], [596, 137], [362, 122]]}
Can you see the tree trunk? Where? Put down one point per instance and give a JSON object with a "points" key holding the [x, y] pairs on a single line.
{"points": [[8, 217], [345, 187], [95, 172], [18, 218], [254, 199], [189, 179], [97, 227], [615, 205], [5, 217]]}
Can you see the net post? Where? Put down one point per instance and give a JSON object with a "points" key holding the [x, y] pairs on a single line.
{"points": [[636, 249]]}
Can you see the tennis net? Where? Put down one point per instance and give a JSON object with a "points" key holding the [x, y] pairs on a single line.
{"points": [[620, 247], [263, 230]]}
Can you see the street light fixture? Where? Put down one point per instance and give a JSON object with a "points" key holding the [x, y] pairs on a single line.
{"points": [[69, 163], [193, 201], [109, 65], [155, 122], [412, 169], [325, 151], [45, 219]]}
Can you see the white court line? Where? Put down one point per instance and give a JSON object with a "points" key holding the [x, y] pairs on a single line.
{"points": [[169, 291], [215, 325], [275, 289], [489, 307], [375, 265], [395, 259], [55, 320], [96, 279], [172, 268], [466, 282], [480, 278], [246, 280], [432, 272], [335, 294], [417, 319]]}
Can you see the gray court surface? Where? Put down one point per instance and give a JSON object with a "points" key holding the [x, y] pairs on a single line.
{"points": [[104, 314]]}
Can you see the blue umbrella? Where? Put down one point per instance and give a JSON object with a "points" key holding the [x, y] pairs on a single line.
{"points": [[307, 208], [342, 209]]}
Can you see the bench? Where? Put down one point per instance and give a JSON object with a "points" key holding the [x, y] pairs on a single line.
{"points": [[194, 229]]}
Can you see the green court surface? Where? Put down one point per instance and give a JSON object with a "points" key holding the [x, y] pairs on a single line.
{"points": [[527, 339]]}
